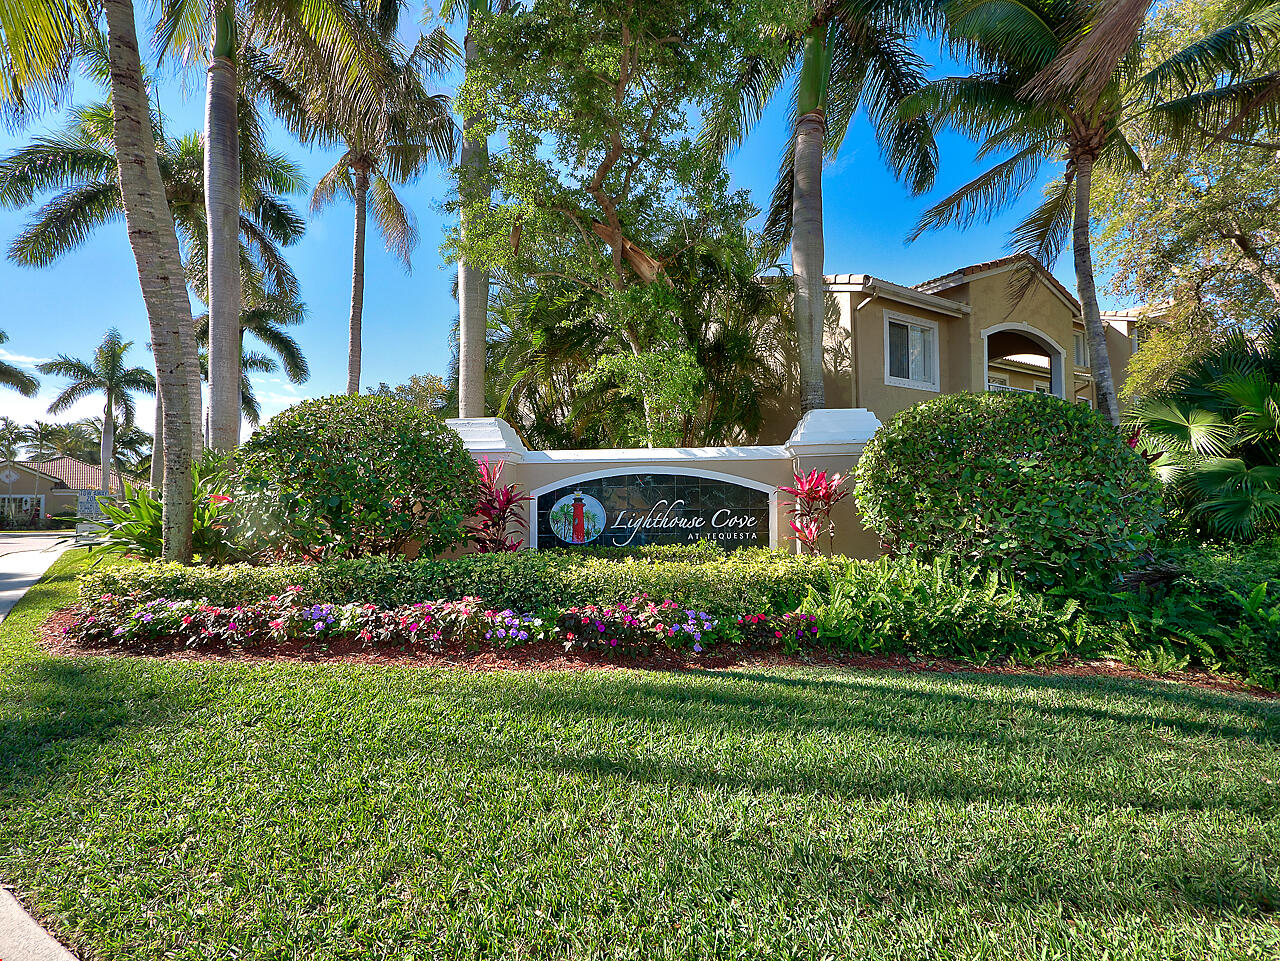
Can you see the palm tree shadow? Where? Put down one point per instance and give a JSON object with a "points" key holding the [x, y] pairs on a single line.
{"points": [[70, 707]]}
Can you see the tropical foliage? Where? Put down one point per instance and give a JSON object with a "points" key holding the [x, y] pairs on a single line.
{"points": [[1214, 437], [15, 377]]}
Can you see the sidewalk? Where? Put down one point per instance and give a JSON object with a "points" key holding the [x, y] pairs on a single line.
{"points": [[24, 557]]}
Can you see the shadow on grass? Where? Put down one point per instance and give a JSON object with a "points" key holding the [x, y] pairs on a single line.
{"points": [[54, 710]]}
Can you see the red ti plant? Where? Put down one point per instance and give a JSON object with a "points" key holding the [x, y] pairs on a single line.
{"points": [[815, 495], [497, 510]]}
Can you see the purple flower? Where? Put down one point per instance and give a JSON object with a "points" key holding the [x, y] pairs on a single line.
{"points": [[697, 648], [146, 617]]}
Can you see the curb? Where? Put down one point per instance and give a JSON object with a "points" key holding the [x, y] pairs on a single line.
{"points": [[21, 936]]}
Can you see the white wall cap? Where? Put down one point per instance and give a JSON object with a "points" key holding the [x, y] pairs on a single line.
{"points": [[832, 430], [658, 455], [490, 436]]}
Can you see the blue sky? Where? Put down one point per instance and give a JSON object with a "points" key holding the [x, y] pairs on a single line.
{"points": [[408, 317]]}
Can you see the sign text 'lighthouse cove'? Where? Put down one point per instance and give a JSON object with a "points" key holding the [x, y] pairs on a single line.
{"points": [[629, 509]]}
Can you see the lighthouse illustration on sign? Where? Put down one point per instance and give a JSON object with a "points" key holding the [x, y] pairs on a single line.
{"points": [[577, 518]]}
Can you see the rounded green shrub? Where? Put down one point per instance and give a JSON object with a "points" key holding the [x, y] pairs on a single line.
{"points": [[347, 476], [1045, 489]]}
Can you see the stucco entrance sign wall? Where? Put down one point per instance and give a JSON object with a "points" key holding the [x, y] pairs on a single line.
{"points": [[630, 509]]}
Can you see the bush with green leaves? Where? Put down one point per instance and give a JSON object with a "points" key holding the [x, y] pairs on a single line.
{"points": [[1213, 435], [937, 609], [1216, 606], [348, 476], [532, 581], [1044, 489]]}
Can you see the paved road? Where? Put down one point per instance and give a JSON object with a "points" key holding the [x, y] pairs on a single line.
{"points": [[23, 559]]}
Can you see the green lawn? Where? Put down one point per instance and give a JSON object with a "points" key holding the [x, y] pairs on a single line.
{"points": [[177, 810]]}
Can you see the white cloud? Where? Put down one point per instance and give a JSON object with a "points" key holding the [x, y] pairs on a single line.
{"points": [[22, 360]]}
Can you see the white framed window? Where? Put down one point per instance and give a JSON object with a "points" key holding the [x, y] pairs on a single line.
{"points": [[997, 380], [1042, 387], [1086, 400], [1137, 337], [910, 352], [1082, 349]]}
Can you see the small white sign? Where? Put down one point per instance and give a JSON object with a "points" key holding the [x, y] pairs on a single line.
{"points": [[9, 476]]}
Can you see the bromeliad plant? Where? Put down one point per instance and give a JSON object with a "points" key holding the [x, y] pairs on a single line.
{"points": [[815, 495], [498, 509]]}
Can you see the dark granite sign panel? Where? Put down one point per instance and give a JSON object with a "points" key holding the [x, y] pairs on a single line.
{"points": [[625, 510]]}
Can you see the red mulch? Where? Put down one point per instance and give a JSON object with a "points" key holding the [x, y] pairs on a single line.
{"points": [[551, 656]]}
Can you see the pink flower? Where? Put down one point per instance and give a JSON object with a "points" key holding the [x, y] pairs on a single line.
{"points": [[187, 620], [219, 499]]}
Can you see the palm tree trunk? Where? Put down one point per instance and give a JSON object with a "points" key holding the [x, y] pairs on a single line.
{"points": [[807, 251], [473, 283], [1095, 332], [108, 442], [155, 251], [357, 282], [157, 445], [807, 256], [222, 205]]}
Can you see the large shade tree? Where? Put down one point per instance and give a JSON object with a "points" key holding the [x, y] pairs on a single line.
{"points": [[844, 56], [109, 374]]}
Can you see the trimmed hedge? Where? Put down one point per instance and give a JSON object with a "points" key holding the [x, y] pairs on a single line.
{"points": [[1045, 489], [533, 581]]}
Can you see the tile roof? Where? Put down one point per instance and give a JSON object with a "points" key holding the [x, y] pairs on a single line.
{"points": [[34, 467], [956, 277], [76, 474]]}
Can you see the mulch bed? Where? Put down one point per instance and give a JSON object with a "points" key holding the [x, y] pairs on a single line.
{"points": [[551, 656]]}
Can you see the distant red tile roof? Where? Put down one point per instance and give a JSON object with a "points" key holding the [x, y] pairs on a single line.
{"points": [[76, 474], [957, 277]]}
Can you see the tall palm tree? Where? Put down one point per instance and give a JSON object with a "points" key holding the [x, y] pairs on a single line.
{"points": [[107, 374], [329, 37], [16, 377], [10, 438], [1007, 106], [132, 446], [473, 281], [852, 54], [38, 439], [390, 131], [155, 245], [38, 41]]}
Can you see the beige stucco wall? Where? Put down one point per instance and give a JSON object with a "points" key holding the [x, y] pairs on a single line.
{"points": [[30, 483]]}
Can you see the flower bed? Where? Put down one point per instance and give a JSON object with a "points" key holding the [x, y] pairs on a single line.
{"points": [[634, 627]]}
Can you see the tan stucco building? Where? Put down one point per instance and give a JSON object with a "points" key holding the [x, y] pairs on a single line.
{"points": [[890, 346]]}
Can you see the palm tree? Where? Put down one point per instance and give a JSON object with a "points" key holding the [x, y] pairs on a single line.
{"points": [[329, 38], [473, 281], [38, 439], [850, 56], [16, 377], [106, 374], [77, 165], [132, 451], [1009, 106], [10, 438], [390, 132]]}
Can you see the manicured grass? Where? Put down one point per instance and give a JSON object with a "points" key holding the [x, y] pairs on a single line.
{"points": [[153, 809]]}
